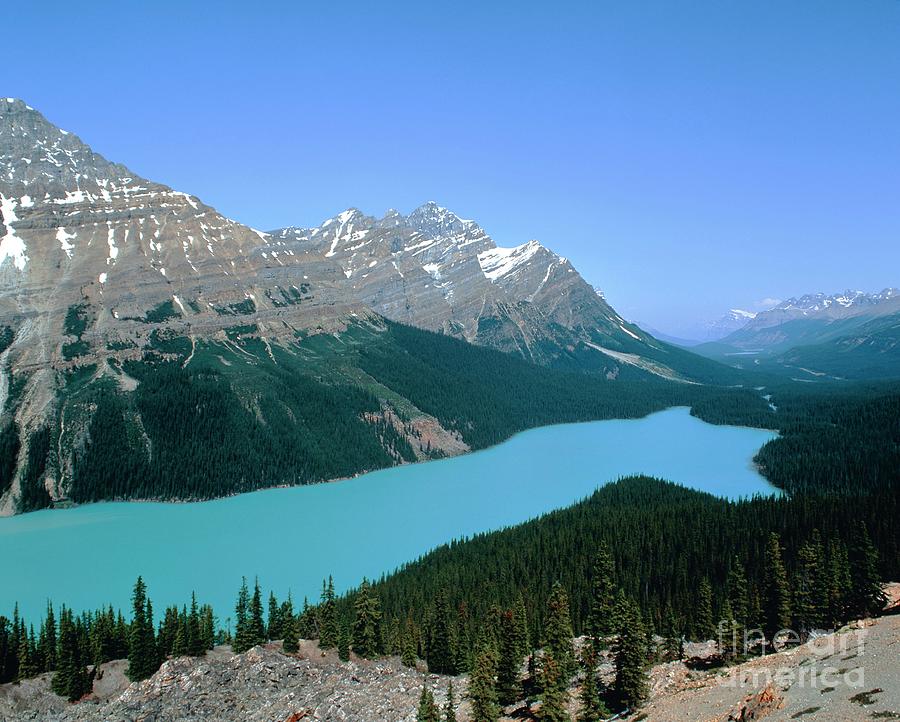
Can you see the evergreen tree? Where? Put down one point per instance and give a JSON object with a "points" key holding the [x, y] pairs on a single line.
{"points": [[440, 642], [509, 660], [328, 621], [366, 626], [409, 654], [71, 678], [274, 628], [838, 583], [48, 640], [243, 628], [704, 625], [520, 617], [289, 624], [558, 632], [553, 690], [195, 645], [207, 627], [808, 602], [462, 658], [592, 707], [143, 659], [256, 623], [866, 596], [428, 711], [482, 693], [630, 654], [777, 612], [738, 596], [450, 706], [343, 645], [600, 621]]}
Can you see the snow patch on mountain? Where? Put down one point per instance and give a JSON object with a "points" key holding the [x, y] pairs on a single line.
{"points": [[499, 262]]}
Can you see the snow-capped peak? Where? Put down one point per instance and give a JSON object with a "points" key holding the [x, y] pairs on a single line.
{"points": [[499, 262]]}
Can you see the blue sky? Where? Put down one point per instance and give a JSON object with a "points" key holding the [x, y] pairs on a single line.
{"points": [[687, 156]]}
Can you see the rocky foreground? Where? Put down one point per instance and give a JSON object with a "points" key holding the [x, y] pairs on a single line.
{"points": [[853, 674]]}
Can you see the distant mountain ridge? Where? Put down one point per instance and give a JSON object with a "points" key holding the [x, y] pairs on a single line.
{"points": [[852, 334]]}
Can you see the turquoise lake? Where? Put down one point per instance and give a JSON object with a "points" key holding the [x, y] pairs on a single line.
{"points": [[292, 538]]}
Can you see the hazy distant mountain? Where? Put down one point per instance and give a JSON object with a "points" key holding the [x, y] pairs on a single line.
{"points": [[851, 334], [729, 323]]}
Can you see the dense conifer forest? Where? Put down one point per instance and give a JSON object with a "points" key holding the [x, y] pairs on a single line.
{"points": [[639, 556]]}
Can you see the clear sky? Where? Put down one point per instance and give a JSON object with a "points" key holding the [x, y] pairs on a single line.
{"points": [[687, 156]]}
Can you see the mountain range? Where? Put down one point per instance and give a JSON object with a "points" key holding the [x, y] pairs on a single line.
{"points": [[115, 289], [852, 334]]}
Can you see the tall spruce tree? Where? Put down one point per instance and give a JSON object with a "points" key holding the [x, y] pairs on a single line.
{"points": [[592, 707], [441, 659], [328, 620], [704, 625], [274, 628], [838, 575], [409, 654], [630, 658], [482, 692], [867, 596], [554, 692], [558, 632], [243, 631], [257, 625], [777, 605], [71, 678], [143, 659], [289, 627], [600, 622], [509, 660], [808, 601], [367, 622]]}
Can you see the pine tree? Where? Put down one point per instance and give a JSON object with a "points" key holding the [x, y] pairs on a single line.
{"points": [[482, 693], [462, 659], [592, 707], [777, 612], [600, 621], [838, 583], [808, 602], [450, 706], [289, 627], [195, 646], [440, 641], [509, 660], [328, 621], [243, 633], [704, 626], [274, 627], [343, 645], [367, 624], [738, 595], [428, 711], [48, 640], [207, 627], [630, 653], [409, 654], [520, 617], [558, 632], [553, 690], [866, 596], [71, 678], [143, 659], [257, 625]]}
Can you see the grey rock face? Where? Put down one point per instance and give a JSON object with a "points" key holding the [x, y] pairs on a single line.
{"points": [[95, 261]]}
